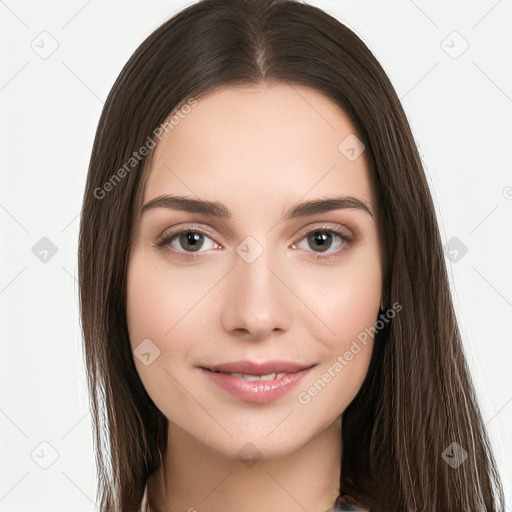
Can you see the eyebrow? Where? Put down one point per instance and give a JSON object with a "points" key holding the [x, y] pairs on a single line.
{"points": [[216, 209]]}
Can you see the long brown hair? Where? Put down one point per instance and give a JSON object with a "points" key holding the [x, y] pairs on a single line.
{"points": [[418, 397]]}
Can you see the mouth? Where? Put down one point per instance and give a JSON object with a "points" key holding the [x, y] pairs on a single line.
{"points": [[249, 377], [257, 382], [259, 368]]}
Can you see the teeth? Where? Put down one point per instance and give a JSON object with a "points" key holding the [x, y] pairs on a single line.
{"points": [[269, 376]]}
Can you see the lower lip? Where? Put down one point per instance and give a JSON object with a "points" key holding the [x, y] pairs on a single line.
{"points": [[256, 391]]}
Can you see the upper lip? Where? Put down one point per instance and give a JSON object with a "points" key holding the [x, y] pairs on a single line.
{"points": [[263, 368]]}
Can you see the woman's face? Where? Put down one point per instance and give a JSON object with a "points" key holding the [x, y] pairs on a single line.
{"points": [[255, 277]]}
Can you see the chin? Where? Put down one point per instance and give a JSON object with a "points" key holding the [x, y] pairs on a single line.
{"points": [[256, 443]]}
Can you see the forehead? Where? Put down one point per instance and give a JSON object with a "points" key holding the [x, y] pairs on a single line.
{"points": [[257, 143]]}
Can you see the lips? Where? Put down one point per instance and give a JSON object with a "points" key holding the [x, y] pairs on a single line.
{"points": [[263, 368], [244, 381]]}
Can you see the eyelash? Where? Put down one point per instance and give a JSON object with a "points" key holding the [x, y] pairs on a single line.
{"points": [[164, 241]]}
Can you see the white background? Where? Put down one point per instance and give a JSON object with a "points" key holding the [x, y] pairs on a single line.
{"points": [[460, 110]]}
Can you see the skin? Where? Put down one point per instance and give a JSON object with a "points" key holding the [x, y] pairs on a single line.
{"points": [[257, 150]]}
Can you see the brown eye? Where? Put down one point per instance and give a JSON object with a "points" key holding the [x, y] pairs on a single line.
{"points": [[324, 243], [187, 241], [191, 240], [321, 239]]}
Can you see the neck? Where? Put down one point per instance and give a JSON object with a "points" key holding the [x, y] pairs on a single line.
{"points": [[197, 478]]}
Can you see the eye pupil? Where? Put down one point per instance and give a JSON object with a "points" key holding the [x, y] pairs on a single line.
{"points": [[193, 238], [323, 240]]}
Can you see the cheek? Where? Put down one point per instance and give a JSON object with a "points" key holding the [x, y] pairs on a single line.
{"points": [[160, 307], [169, 305], [346, 304], [345, 298], [152, 310], [158, 298]]}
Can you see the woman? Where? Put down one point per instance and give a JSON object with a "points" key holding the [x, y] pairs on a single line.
{"points": [[265, 306]]}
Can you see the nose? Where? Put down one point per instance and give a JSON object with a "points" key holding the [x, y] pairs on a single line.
{"points": [[257, 301]]}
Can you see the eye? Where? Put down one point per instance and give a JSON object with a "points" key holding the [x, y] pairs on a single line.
{"points": [[329, 242], [190, 240]]}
